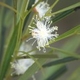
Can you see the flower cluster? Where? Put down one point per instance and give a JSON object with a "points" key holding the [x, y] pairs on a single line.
{"points": [[43, 33]]}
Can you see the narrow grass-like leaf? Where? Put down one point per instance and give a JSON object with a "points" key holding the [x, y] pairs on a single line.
{"points": [[7, 6], [60, 61], [73, 31], [8, 19], [28, 16], [62, 15], [65, 9], [40, 56], [9, 52], [67, 53], [12, 46], [1, 29], [57, 73], [53, 5]]}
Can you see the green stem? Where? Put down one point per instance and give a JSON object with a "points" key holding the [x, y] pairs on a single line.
{"points": [[1, 16], [65, 52], [27, 30], [40, 56], [52, 6], [65, 9], [15, 7], [7, 6]]}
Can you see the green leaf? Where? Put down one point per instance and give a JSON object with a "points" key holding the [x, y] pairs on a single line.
{"points": [[65, 9], [12, 46], [9, 52], [8, 19], [7, 6], [38, 55], [66, 53], [59, 72], [62, 15], [60, 61], [73, 31]]}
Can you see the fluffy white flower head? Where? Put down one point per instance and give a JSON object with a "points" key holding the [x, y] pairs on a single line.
{"points": [[42, 8], [21, 65], [43, 33]]}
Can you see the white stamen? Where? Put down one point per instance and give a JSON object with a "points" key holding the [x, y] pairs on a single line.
{"points": [[34, 42], [29, 39]]}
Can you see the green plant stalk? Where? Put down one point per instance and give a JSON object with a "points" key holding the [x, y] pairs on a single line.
{"points": [[40, 56], [65, 52], [14, 43], [54, 4], [60, 61], [27, 31], [62, 15], [1, 16], [6, 57], [65, 9], [15, 7], [9, 7], [23, 9], [8, 75]]}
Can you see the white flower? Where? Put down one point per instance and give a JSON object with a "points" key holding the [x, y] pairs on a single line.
{"points": [[43, 33], [42, 8], [21, 65]]}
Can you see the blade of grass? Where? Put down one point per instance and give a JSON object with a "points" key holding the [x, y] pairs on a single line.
{"points": [[1, 29], [65, 52], [60, 61], [57, 73], [7, 6], [31, 2], [40, 56], [62, 15], [53, 5], [65, 9], [7, 56], [73, 31], [12, 46]]}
